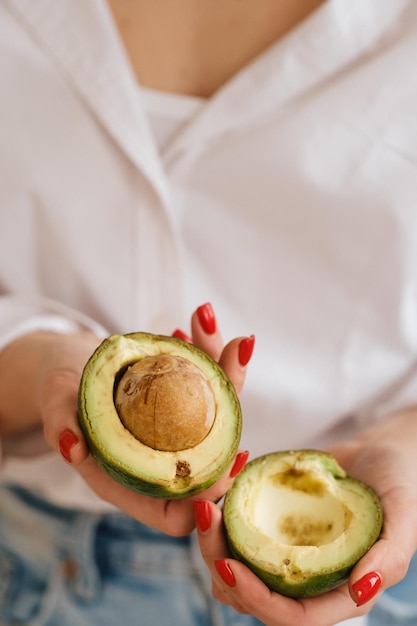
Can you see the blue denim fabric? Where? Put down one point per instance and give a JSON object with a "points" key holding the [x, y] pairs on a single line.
{"points": [[66, 568], [69, 568], [398, 605]]}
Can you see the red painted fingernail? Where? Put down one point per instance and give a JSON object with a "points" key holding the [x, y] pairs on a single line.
{"points": [[239, 463], [202, 515], [206, 318], [246, 350], [179, 334], [225, 572], [366, 587], [67, 440]]}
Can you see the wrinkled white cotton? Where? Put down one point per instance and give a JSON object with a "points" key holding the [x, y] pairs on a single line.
{"points": [[288, 200]]}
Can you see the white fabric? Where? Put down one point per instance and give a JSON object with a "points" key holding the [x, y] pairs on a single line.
{"points": [[168, 113], [288, 200]]}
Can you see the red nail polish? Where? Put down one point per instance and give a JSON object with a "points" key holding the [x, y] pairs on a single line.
{"points": [[206, 318], [179, 334], [202, 515], [366, 588], [67, 440], [239, 463], [225, 572], [246, 349]]}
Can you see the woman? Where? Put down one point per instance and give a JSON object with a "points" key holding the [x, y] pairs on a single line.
{"points": [[154, 156]]}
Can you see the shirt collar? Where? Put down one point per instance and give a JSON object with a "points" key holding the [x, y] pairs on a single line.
{"points": [[329, 41], [81, 38]]}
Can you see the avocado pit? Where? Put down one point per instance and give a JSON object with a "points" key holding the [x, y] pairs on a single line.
{"points": [[166, 402]]}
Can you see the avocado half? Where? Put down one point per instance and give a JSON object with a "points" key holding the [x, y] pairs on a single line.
{"points": [[298, 521], [176, 470]]}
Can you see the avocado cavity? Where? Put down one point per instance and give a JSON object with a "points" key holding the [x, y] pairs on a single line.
{"points": [[300, 522]]}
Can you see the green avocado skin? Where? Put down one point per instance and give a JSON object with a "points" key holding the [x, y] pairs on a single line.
{"points": [[134, 478], [300, 585], [175, 490], [303, 587]]}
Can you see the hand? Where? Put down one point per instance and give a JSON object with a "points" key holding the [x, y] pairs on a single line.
{"points": [[384, 457], [49, 367]]}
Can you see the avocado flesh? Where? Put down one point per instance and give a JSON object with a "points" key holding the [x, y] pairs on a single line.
{"points": [[164, 474], [300, 522]]}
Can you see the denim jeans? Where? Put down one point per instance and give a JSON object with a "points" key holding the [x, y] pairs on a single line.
{"points": [[68, 568]]}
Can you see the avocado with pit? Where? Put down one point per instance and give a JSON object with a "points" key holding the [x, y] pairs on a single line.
{"points": [[300, 522], [159, 414]]}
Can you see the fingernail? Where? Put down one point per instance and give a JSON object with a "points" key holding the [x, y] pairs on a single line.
{"points": [[225, 572], [246, 349], [206, 318], [202, 515], [366, 588], [179, 334], [67, 440], [239, 463]]}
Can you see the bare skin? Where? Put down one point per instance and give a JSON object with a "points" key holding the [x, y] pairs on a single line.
{"points": [[39, 379], [194, 48], [384, 457]]}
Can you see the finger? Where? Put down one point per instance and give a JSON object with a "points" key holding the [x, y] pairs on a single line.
{"points": [[390, 472], [213, 547], [236, 585], [245, 590], [180, 334], [59, 415], [235, 358], [387, 562], [221, 486], [215, 552], [172, 517], [205, 331]]}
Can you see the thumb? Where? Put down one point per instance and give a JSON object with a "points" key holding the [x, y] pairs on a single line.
{"points": [[388, 560]]}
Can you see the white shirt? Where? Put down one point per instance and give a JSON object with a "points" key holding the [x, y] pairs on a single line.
{"points": [[288, 200], [168, 114]]}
